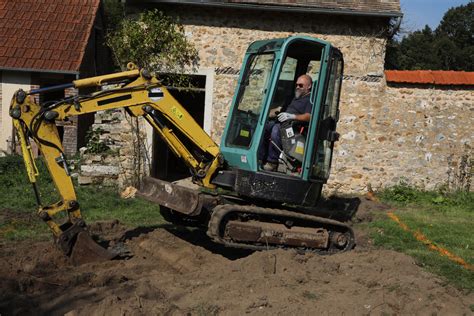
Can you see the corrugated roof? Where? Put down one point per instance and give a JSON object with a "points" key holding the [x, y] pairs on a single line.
{"points": [[45, 35], [437, 77]]}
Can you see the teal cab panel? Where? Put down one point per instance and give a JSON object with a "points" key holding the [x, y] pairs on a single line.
{"points": [[267, 81]]}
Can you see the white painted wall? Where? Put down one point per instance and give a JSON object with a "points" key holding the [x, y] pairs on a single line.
{"points": [[209, 73], [11, 81]]}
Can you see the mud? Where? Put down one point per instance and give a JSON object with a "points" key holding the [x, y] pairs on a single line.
{"points": [[169, 270]]}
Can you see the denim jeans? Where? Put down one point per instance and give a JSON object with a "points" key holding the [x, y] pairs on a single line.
{"points": [[267, 151]]}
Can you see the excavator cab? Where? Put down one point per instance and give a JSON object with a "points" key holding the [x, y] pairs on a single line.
{"points": [[267, 82]]}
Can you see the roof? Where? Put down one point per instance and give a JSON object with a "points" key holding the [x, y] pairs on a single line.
{"points": [[436, 77], [46, 35], [354, 5], [387, 8]]}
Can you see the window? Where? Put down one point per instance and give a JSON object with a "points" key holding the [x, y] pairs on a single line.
{"points": [[328, 120], [252, 92]]}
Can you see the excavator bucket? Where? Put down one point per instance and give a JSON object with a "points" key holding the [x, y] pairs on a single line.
{"points": [[76, 243], [86, 250], [176, 197]]}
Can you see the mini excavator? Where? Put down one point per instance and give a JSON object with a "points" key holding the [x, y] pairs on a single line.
{"points": [[238, 202]]}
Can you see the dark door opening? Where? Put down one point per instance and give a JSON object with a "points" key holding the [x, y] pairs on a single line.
{"points": [[52, 96], [165, 165]]}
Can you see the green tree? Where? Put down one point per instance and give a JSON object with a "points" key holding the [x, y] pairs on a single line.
{"points": [[416, 51], [158, 43], [449, 47], [392, 54], [458, 25], [114, 13], [153, 41]]}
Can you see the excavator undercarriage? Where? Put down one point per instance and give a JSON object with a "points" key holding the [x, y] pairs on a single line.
{"points": [[259, 228], [232, 222]]}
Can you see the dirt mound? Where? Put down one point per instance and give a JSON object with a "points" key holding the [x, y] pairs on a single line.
{"points": [[179, 271]]}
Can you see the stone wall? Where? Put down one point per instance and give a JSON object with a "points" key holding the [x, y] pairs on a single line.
{"points": [[402, 133], [116, 156], [389, 134], [70, 128]]}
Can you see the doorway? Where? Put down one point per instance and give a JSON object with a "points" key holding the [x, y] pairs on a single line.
{"points": [[165, 165]]}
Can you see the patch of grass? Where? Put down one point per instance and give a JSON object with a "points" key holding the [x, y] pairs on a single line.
{"points": [[16, 192], [18, 220], [403, 195], [23, 228], [105, 203], [206, 309], [309, 295], [445, 219]]}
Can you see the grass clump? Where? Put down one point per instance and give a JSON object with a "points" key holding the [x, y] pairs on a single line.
{"points": [[404, 195]]}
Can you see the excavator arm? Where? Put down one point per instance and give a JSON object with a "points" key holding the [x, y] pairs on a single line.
{"points": [[140, 94]]}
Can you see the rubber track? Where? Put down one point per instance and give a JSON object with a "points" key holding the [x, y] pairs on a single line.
{"points": [[219, 213]]}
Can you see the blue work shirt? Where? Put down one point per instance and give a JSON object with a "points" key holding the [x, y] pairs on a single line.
{"points": [[300, 106]]}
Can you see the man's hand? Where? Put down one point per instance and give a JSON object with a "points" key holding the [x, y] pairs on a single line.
{"points": [[273, 112], [285, 116]]}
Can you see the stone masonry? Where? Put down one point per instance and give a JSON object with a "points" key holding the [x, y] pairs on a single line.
{"points": [[124, 161], [70, 128], [401, 133]]}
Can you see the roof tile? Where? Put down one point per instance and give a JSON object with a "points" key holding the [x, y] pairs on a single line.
{"points": [[47, 54], [38, 64], [435, 77], [48, 64], [20, 52], [57, 65], [28, 53], [44, 26], [20, 62]]}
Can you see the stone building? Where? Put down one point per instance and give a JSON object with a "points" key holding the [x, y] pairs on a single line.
{"points": [[44, 44], [413, 131], [222, 30]]}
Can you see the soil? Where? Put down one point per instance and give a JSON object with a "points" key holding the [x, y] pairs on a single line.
{"points": [[172, 270]]}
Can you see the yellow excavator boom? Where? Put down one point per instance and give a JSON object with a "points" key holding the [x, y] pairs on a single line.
{"points": [[141, 95]]}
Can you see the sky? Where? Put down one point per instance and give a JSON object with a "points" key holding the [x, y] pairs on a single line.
{"points": [[418, 13]]}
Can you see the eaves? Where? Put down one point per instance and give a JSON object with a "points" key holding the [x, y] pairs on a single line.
{"points": [[278, 8], [64, 72]]}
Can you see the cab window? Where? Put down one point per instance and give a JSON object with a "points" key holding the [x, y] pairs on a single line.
{"points": [[251, 95], [328, 120]]}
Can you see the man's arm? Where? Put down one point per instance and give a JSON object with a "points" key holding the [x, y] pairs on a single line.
{"points": [[285, 116], [303, 117]]}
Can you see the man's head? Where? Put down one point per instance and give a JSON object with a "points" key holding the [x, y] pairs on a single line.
{"points": [[303, 86]]}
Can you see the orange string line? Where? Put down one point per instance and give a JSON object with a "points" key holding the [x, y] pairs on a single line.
{"points": [[420, 237]]}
